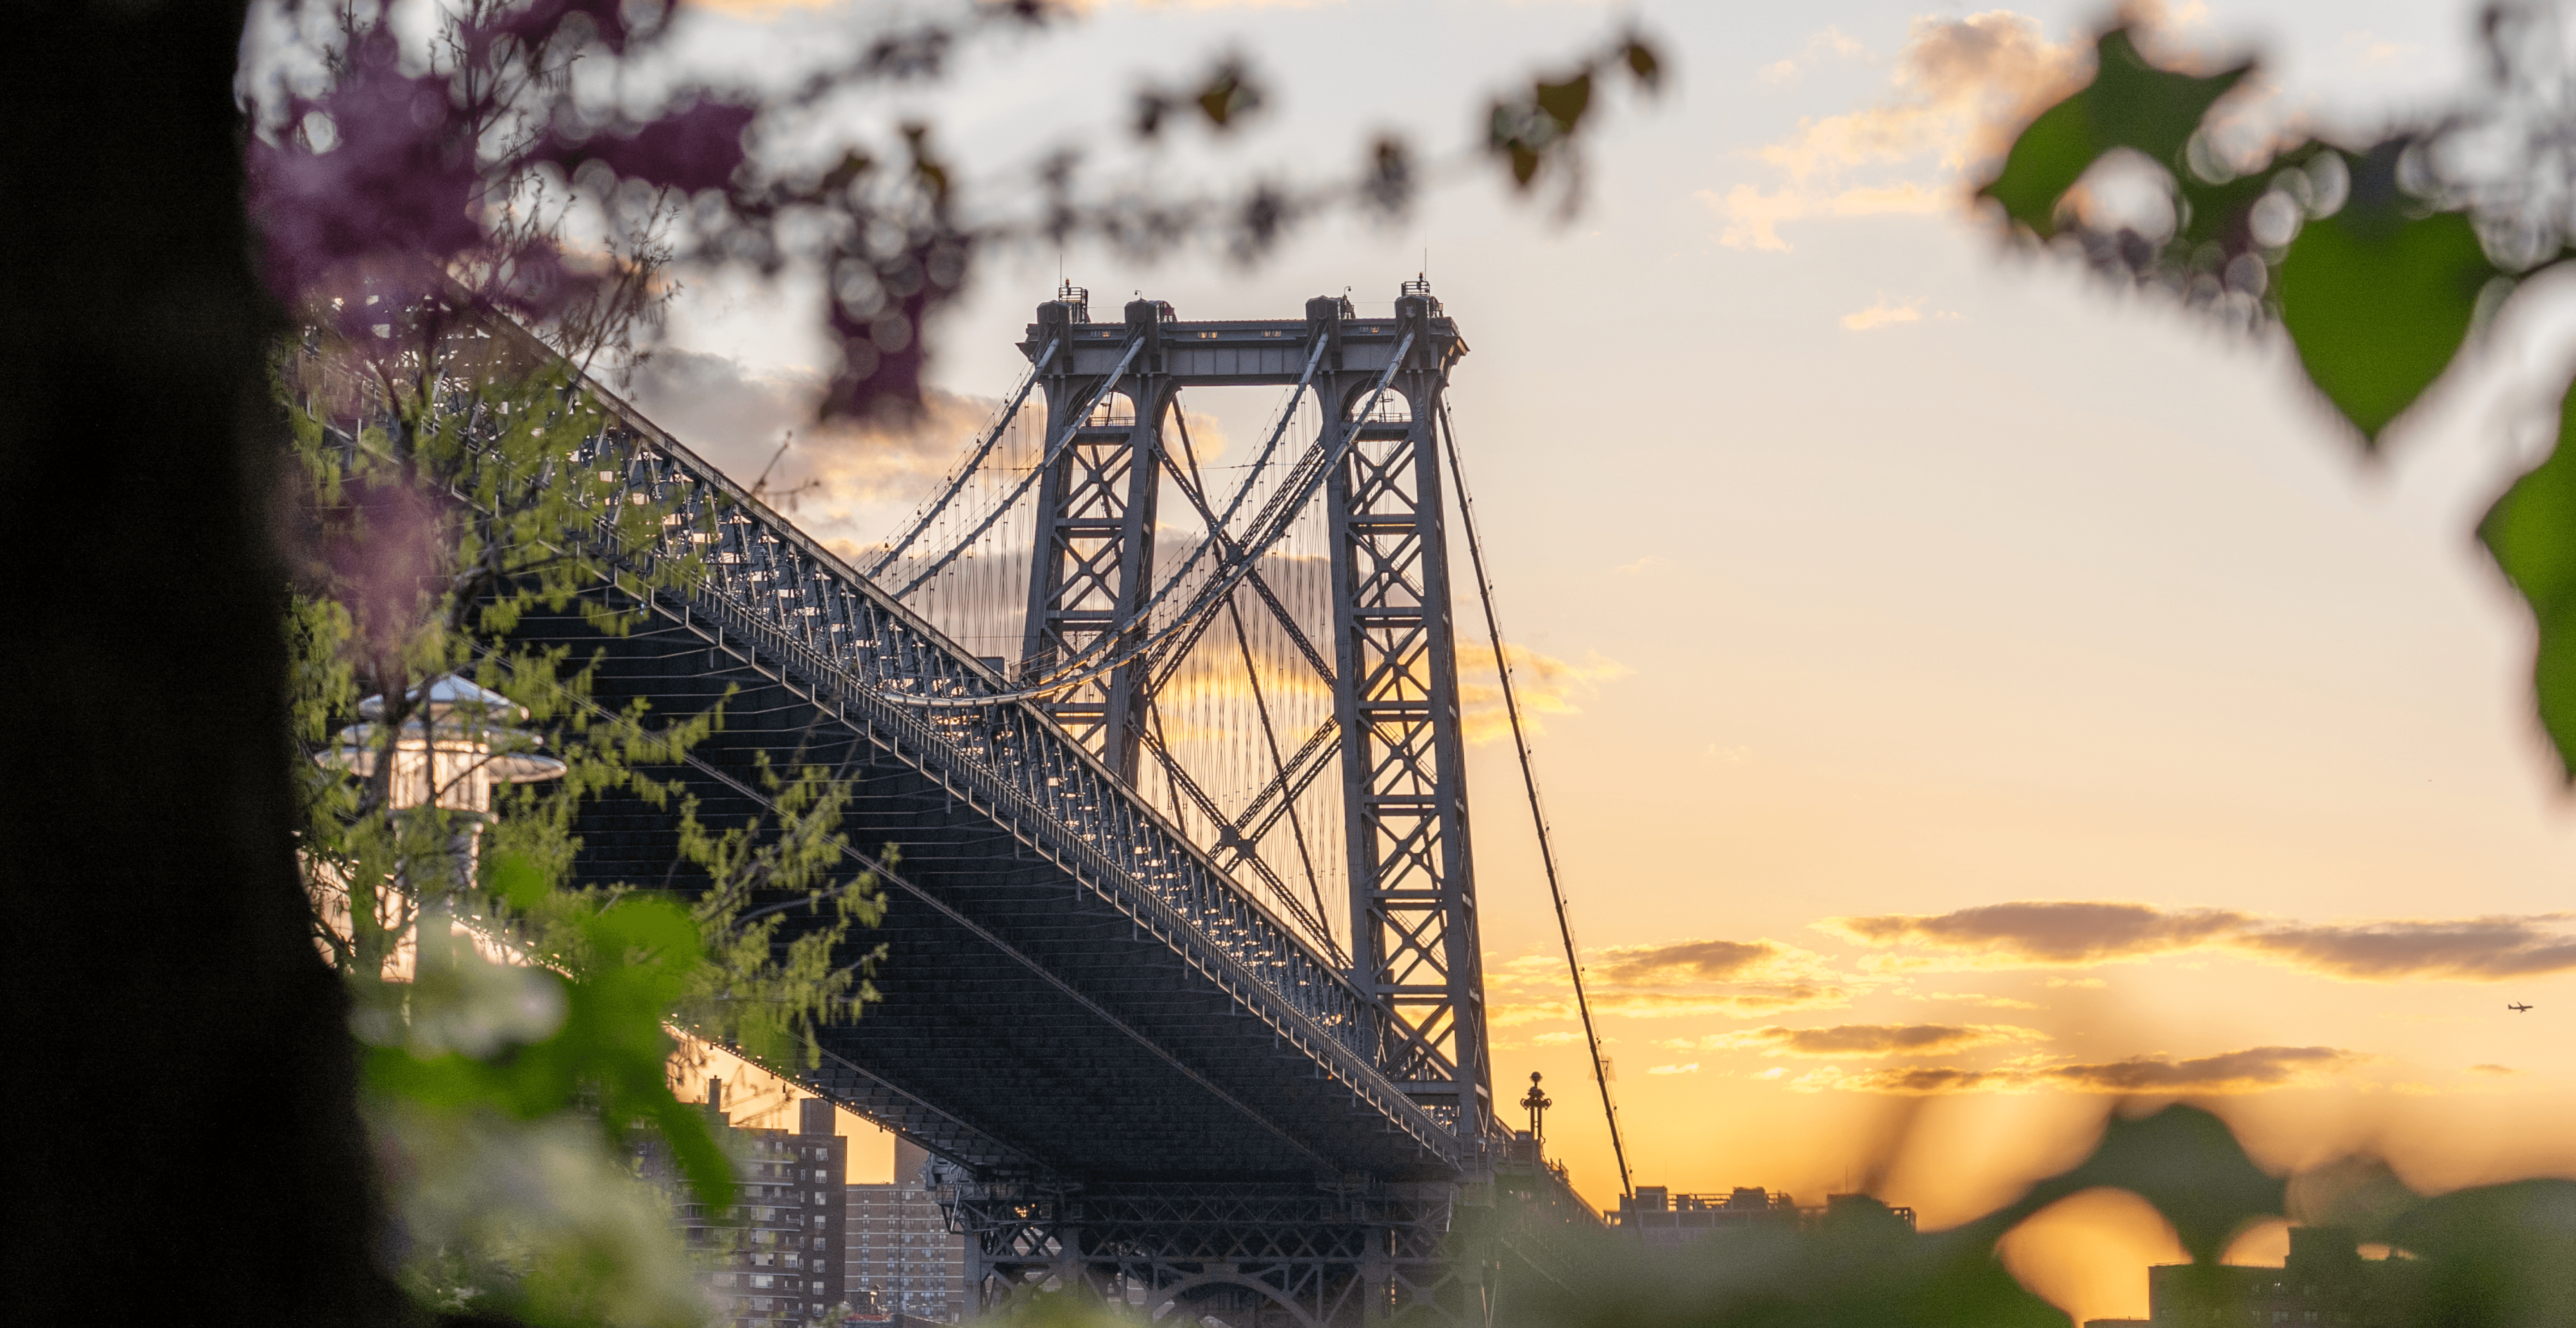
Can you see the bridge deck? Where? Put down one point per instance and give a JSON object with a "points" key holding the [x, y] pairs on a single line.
{"points": [[1071, 987]]}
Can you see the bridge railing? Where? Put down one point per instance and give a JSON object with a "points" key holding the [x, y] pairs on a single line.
{"points": [[856, 651]]}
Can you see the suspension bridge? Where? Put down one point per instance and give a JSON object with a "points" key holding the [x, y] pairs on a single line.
{"points": [[1157, 753]]}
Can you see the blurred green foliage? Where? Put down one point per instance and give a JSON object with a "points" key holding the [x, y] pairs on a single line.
{"points": [[519, 1033], [2376, 268], [2501, 1256]]}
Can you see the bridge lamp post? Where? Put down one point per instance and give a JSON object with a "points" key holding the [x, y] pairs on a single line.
{"points": [[452, 749], [1538, 1102]]}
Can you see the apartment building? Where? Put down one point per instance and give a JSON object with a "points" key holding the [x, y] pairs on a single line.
{"points": [[899, 1257], [772, 1260]]}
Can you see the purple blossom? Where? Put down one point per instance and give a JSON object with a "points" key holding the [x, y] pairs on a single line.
{"points": [[537, 24], [385, 545], [698, 148], [398, 184], [874, 381]]}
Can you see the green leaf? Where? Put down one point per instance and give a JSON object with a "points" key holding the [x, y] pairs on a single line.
{"points": [[2129, 104], [1565, 102], [518, 881], [2044, 163], [2377, 317], [2497, 1254], [2184, 1161], [2531, 533], [2133, 104]]}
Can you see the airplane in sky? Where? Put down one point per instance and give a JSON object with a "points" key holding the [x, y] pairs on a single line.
{"points": [[2516, 1008]]}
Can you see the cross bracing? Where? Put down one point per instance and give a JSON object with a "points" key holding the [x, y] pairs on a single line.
{"points": [[1111, 964]]}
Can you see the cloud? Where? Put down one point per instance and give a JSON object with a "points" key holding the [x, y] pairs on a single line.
{"points": [[1830, 42], [2041, 933], [1692, 1068], [1555, 1039], [1880, 315], [2046, 934], [1753, 217], [1756, 1001], [1545, 685], [1677, 979], [1956, 89], [2253, 1070], [2494, 1069], [1741, 1002], [735, 416], [1645, 564], [1975, 998], [2479, 949], [1864, 1040], [1687, 961]]}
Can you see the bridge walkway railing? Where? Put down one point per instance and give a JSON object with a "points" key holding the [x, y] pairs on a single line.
{"points": [[859, 654]]}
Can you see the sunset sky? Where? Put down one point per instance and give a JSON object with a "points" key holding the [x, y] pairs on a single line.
{"points": [[1976, 691]]}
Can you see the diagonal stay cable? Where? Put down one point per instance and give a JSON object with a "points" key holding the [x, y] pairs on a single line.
{"points": [[1272, 523], [1179, 779], [1291, 781], [1529, 781], [1252, 675], [974, 461], [1191, 488], [1071, 425]]}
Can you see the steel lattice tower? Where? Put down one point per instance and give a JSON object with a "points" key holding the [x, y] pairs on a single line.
{"points": [[1393, 649], [1143, 1079]]}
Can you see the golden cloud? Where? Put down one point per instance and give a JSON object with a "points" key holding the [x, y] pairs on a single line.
{"points": [[1686, 961], [1979, 998], [2253, 1070], [736, 417], [1743, 1002], [1545, 684], [2478, 949], [1956, 88], [1865, 1040], [2041, 933], [1676, 979], [2053, 934]]}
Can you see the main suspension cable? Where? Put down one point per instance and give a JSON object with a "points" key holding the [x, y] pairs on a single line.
{"points": [[1529, 781]]}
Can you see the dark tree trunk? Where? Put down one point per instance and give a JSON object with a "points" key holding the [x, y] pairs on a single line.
{"points": [[187, 1142]]}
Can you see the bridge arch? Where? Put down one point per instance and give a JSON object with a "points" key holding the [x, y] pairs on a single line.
{"points": [[1169, 1299], [1114, 407], [1393, 407]]}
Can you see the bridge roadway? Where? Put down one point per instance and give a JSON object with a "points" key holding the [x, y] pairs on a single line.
{"points": [[1071, 987]]}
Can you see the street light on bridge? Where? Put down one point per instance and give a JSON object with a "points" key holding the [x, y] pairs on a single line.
{"points": [[1538, 1102]]}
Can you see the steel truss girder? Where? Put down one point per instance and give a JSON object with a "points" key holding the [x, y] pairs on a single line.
{"points": [[1247, 1256], [843, 650]]}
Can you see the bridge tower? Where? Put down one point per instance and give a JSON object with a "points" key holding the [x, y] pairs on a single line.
{"points": [[1413, 895], [1094, 556], [1143, 1078], [1413, 938]]}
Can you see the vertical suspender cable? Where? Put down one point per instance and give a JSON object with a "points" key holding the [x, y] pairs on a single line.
{"points": [[1529, 781]]}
